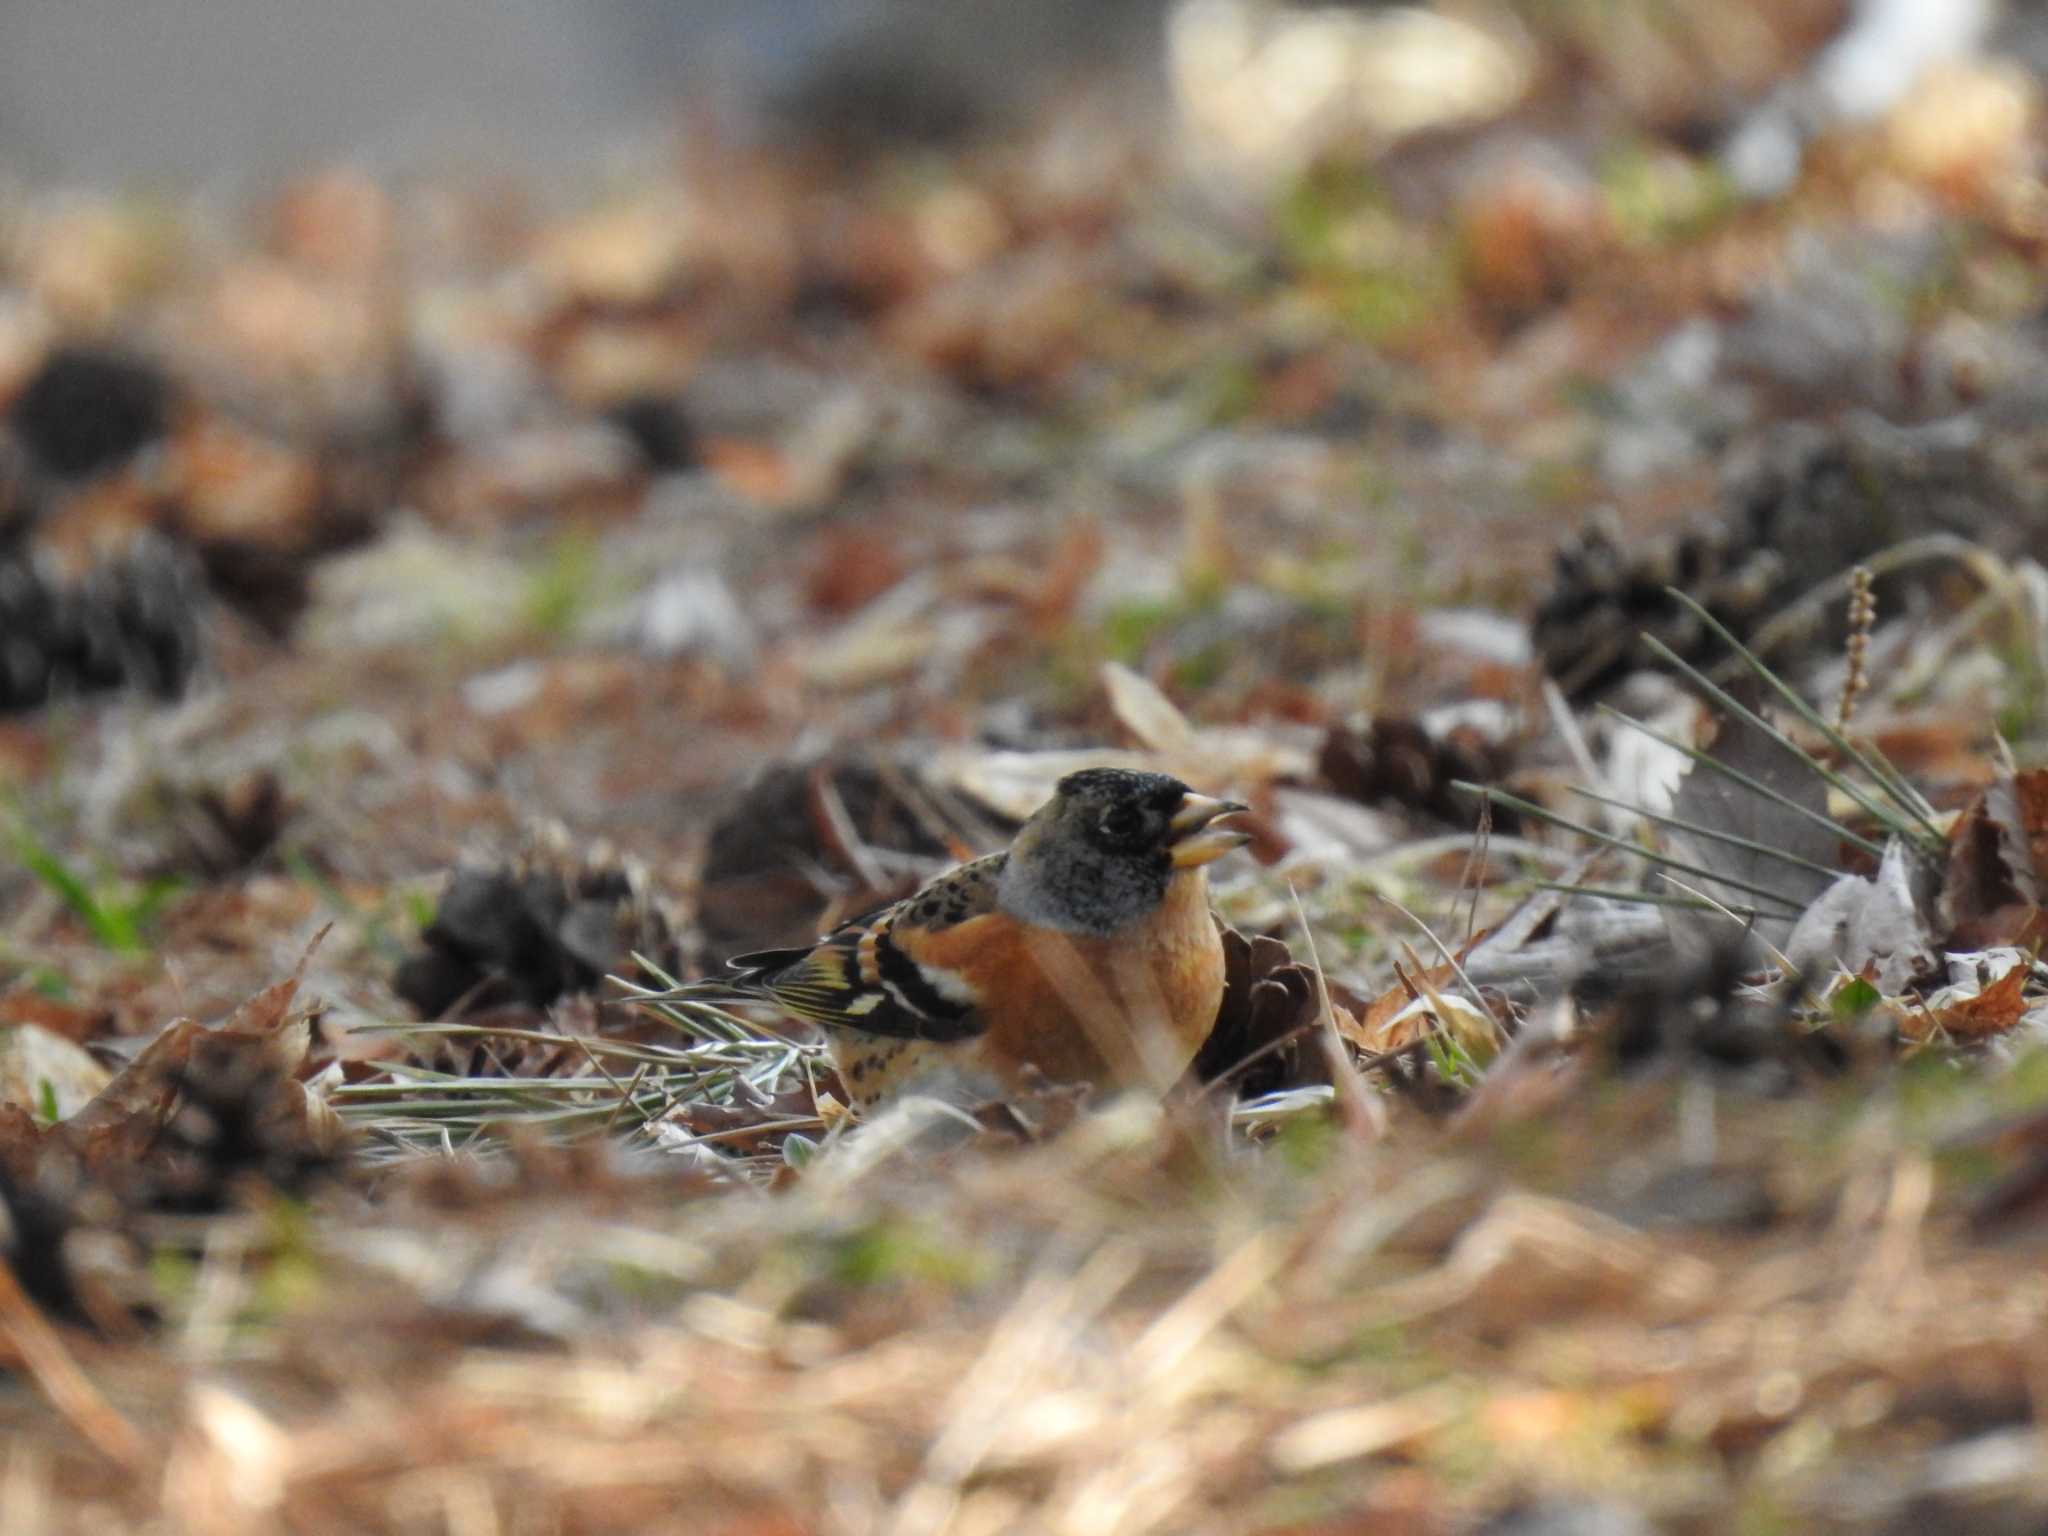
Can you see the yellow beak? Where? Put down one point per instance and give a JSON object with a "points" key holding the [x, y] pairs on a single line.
{"points": [[1196, 840]]}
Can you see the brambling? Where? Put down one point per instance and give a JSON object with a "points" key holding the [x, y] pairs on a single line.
{"points": [[1083, 953]]}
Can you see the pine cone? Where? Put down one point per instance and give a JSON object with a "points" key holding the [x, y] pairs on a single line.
{"points": [[759, 886], [135, 621], [1603, 600], [545, 926], [87, 409], [1798, 505], [1397, 759], [1262, 1037], [240, 1119], [46, 1197]]}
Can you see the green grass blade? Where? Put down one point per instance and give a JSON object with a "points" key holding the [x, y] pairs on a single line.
{"points": [[113, 929], [1714, 833], [1707, 760], [1907, 798], [1893, 816], [1646, 898], [1623, 845]]}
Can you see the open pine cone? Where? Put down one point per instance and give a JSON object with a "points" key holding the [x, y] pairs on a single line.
{"points": [[1263, 1039], [550, 924]]}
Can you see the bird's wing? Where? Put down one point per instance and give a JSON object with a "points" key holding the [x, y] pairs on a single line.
{"points": [[867, 976]]}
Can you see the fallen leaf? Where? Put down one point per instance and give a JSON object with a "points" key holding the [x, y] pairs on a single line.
{"points": [[1975, 1012], [1153, 719], [71, 1020], [1710, 799], [117, 1129], [1979, 879], [1402, 1014], [2017, 804], [21, 1144], [1868, 925], [42, 1071]]}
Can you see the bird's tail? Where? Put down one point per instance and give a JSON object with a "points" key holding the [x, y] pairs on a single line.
{"points": [[748, 978]]}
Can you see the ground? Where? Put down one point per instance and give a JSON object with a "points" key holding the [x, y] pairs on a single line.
{"points": [[432, 611]]}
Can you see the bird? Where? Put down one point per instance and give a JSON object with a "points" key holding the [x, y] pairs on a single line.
{"points": [[1085, 953]]}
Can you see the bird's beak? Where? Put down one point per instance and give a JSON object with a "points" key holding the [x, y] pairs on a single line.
{"points": [[1196, 839]]}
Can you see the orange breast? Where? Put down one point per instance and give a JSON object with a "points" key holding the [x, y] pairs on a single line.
{"points": [[1124, 1012]]}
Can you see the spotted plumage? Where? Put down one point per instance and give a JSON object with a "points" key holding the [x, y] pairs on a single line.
{"points": [[1084, 952]]}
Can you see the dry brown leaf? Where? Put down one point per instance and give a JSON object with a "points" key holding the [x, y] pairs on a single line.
{"points": [[121, 1123], [1377, 1031], [37, 1064], [1979, 880], [2018, 804], [21, 1143], [1992, 1011], [268, 1013], [117, 1129], [1153, 719], [849, 569], [74, 1021]]}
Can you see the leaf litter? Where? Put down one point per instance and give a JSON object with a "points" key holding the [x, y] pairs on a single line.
{"points": [[1678, 1159]]}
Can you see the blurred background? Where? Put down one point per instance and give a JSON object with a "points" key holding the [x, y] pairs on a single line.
{"points": [[189, 90], [207, 92], [489, 491]]}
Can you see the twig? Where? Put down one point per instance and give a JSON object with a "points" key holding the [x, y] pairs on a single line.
{"points": [[70, 1391], [837, 829], [1361, 1110], [1747, 923], [1457, 968]]}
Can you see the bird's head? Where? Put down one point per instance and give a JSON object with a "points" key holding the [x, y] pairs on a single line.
{"points": [[1100, 854]]}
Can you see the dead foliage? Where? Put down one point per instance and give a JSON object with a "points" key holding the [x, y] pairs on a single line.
{"points": [[1625, 1106]]}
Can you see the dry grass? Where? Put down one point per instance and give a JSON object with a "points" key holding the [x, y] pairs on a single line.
{"points": [[1132, 1328], [969, 435]]}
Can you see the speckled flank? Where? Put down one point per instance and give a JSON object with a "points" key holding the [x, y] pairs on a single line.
{"points": [[874, 1067]]}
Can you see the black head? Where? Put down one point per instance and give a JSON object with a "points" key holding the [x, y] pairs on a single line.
{"points": [[1100, 854], [1118, 810]]}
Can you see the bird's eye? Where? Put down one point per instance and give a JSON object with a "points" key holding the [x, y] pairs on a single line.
{"points": [[1120, 821]]}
